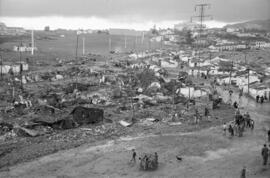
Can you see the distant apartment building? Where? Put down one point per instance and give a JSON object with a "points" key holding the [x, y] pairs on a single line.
{"points": [[228, 47], [3, 27], [262, 44], [16, 30], [4, 30]]}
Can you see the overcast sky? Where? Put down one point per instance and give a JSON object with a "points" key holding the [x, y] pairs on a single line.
{"points": [[124, 13]]}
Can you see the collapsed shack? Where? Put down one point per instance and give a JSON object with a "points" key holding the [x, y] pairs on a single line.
{"points": [[79, 86], [44, 125], [83, 115], [65, 123]]}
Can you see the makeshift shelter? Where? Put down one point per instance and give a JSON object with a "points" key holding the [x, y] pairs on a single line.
{"points": [[83, 115], [258, 89]]}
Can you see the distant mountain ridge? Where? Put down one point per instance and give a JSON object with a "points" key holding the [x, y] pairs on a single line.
{"points": [[252, 25]]}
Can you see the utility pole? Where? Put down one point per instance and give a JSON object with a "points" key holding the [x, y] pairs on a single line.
{"points": [[83, 41], [136, 45], [77, 41], [32, 44], [248, 69], [21, 65], [142, 37], [77, 44], [201, 8]]}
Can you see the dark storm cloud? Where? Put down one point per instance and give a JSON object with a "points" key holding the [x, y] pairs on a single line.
{"points": [[125, 10]]}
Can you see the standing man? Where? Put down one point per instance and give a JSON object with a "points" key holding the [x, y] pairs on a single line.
{"points": [[265, 151]]}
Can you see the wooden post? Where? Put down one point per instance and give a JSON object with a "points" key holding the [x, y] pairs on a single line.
{"points": [[77, 40], [32, 44], [13, 92], [83, 50], [248, 80]]}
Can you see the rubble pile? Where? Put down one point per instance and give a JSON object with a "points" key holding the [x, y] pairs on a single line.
{"points": [[81, 100]]}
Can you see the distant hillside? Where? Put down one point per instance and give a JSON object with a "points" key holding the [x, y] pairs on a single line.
{"points": [[262, 25]]}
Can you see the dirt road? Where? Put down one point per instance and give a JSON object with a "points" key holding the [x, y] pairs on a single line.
{"points": [[206, 154]]}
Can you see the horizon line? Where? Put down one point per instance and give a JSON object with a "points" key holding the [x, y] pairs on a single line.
{"points": [[94, 23]]}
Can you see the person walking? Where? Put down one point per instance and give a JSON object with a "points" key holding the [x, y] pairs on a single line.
{"points": [[243, 172], [134, 154], [265, 151], [247, 119]]}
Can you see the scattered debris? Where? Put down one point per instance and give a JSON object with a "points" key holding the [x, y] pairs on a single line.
{"points": [[125, 123]]}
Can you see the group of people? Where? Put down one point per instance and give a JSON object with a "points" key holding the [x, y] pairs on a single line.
{"points": [[198, 117], [146, 161], [260, 99], [240, 123]]}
